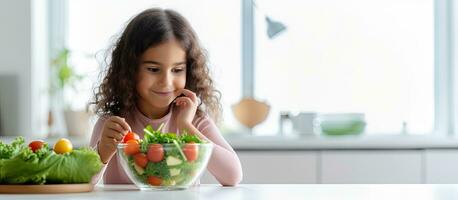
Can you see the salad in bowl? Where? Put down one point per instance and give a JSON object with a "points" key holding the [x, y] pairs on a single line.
{"points": [[163, 161]]}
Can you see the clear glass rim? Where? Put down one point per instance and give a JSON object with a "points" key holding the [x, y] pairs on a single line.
{"points": [[121, 145]]}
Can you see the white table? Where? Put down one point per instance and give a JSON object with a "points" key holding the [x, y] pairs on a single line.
{"points": [[255, 192], [310, 142]]}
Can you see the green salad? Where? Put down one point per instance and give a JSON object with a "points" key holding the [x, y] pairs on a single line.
{"points": [[164, 159], [27, 164]]}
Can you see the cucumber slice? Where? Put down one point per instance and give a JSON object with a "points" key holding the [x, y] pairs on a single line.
{"points": [[172, 161], [174, 172], [179, 149]]}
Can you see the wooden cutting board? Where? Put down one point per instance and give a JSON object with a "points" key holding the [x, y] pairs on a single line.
{"points": [[46, 189]]}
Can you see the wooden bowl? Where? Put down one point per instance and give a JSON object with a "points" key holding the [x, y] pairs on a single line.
{"points": [[250, 112]]}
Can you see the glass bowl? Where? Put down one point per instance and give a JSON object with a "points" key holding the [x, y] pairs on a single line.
{"points": [[170, 166], [342, 123]]}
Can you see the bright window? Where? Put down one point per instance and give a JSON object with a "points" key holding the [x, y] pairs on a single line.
{"points": [[94, 26], [375, 57]]}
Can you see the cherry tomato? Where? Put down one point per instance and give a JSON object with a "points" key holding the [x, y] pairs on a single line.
{"points": [[130, 136], [36, 144], [155, 153], [62, 146], [132, 147], [153, 180], [191, 151], [140, 159]]}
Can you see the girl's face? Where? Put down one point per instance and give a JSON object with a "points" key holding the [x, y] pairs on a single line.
{"points": [[161, 76]]}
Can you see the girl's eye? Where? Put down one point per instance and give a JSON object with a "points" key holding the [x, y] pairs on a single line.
{"points": [[177, 70], [153, 69]]}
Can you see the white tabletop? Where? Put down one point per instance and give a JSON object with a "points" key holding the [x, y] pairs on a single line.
{"points": [[317, 142], [264, 191], [312, 142]]}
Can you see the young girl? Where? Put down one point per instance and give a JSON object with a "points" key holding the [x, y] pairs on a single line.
{"points": [[158, 74]]}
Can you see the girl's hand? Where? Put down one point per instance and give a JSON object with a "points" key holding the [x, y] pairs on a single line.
{"points": [[113, 132], [187, 107]]}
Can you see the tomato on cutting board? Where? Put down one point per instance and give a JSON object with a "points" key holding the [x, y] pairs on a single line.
{"points": [[62, 146], [36, 144]]}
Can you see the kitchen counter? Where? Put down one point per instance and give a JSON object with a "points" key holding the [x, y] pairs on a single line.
{"points": [[243, 142], [318, 142], [265, 191], [76, 141]]}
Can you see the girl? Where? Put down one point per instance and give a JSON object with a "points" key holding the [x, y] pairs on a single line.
{"points": [[158, 74]]}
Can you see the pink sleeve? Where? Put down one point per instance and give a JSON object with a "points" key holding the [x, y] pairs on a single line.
{"points": [[95, 138], [224, 163]]}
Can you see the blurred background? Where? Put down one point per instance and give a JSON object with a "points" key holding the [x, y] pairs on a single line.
{"points": [[321, 87]]}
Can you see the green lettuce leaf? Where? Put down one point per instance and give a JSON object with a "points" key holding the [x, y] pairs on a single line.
{"points": [[8, 150], [19, 165], [76, 167]]}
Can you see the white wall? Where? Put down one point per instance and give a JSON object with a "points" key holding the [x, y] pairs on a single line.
{"points": [[15, 56], [20, 56], [40, 67]]}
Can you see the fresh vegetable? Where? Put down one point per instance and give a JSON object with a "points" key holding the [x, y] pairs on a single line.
{"points": [[153, 180], [155, 153], [169, 182], [130, 136], [62, 146], [19, 164], [141, 160], [132, 147], [171, 159], [36, 145], [191, 150], [139, 169], [179, 149], [174, 172], [7, 151]]}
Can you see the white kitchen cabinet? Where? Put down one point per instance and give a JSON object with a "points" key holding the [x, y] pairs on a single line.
{"points": [[441, 166], [433, 166], [275, 167], [373, 166]]}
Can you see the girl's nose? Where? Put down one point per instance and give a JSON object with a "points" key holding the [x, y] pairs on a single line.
{"points": [[166, 79]]}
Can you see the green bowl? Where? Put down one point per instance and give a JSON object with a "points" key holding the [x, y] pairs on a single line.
{"points": [[342, 124], [342, 127]]}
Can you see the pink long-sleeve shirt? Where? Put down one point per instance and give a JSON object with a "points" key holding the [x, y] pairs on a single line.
{"points": [[224, 163]]}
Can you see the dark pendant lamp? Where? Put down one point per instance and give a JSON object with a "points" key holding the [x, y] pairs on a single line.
{"points": [[274, 28]]}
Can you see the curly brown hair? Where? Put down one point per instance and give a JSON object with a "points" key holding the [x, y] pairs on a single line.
{"points": [[117, 95]]}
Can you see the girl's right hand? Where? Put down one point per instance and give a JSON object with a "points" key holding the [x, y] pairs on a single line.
{"points": [[113, 132]]}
